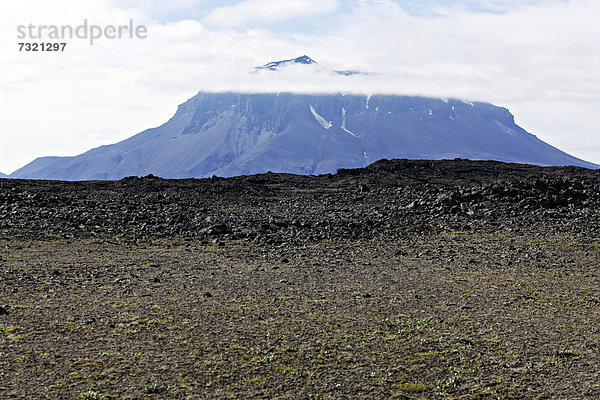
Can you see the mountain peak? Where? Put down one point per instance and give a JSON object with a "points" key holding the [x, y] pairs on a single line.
{"points": [[274, 65], [305, 60]]}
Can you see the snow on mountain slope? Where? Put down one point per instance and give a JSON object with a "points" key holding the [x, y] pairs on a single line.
{"points": [[324, 123], [230, 134]]}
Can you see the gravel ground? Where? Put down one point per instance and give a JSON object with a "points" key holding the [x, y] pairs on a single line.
{"points": [[406, 279]]}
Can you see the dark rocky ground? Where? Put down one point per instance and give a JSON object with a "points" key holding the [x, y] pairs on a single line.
{"points": [[406, 279]]}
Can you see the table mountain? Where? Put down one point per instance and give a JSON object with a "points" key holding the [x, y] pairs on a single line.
{"points": [[227, 134]]}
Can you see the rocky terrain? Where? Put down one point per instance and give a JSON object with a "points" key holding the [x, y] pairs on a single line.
{"points": [[405, 279]]}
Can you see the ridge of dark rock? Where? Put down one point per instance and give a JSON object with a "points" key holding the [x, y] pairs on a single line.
{"points": [[386, 199]]}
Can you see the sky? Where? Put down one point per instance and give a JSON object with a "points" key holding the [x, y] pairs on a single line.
{"points": [[538, 58]]}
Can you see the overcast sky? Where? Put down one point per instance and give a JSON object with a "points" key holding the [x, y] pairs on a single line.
{"points": [[540, 59]]}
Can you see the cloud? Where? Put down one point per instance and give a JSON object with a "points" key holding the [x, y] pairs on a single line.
{"points": [[268, 11], [486, 6]]}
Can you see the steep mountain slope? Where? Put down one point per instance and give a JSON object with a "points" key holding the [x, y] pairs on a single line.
{"points": [[230, 134]]}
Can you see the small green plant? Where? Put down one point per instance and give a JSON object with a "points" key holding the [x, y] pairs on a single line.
{"points": [[415, 387], [153, 387], [90, 395]]}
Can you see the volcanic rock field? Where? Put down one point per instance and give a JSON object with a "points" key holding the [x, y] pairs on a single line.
{"points": [[405, 279]]}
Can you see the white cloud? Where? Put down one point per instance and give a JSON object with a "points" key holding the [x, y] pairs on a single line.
{"points": [[268, 11]]}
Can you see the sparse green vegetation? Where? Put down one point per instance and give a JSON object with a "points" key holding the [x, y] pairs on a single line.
{"points": [[90, 395], [153, 387], [412, 330], [472, 292]]}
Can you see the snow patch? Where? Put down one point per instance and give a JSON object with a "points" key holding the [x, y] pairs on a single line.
{"points": [[451, 118], [352, 133], [344, 123], [324, 123], [365, 155], [367, 105], [265, 134], [430, 112], [506, 129]]}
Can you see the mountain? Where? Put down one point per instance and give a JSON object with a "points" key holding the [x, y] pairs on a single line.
{"points": [[3, 175], [275, 65], [227, 134], [304, 60]]}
